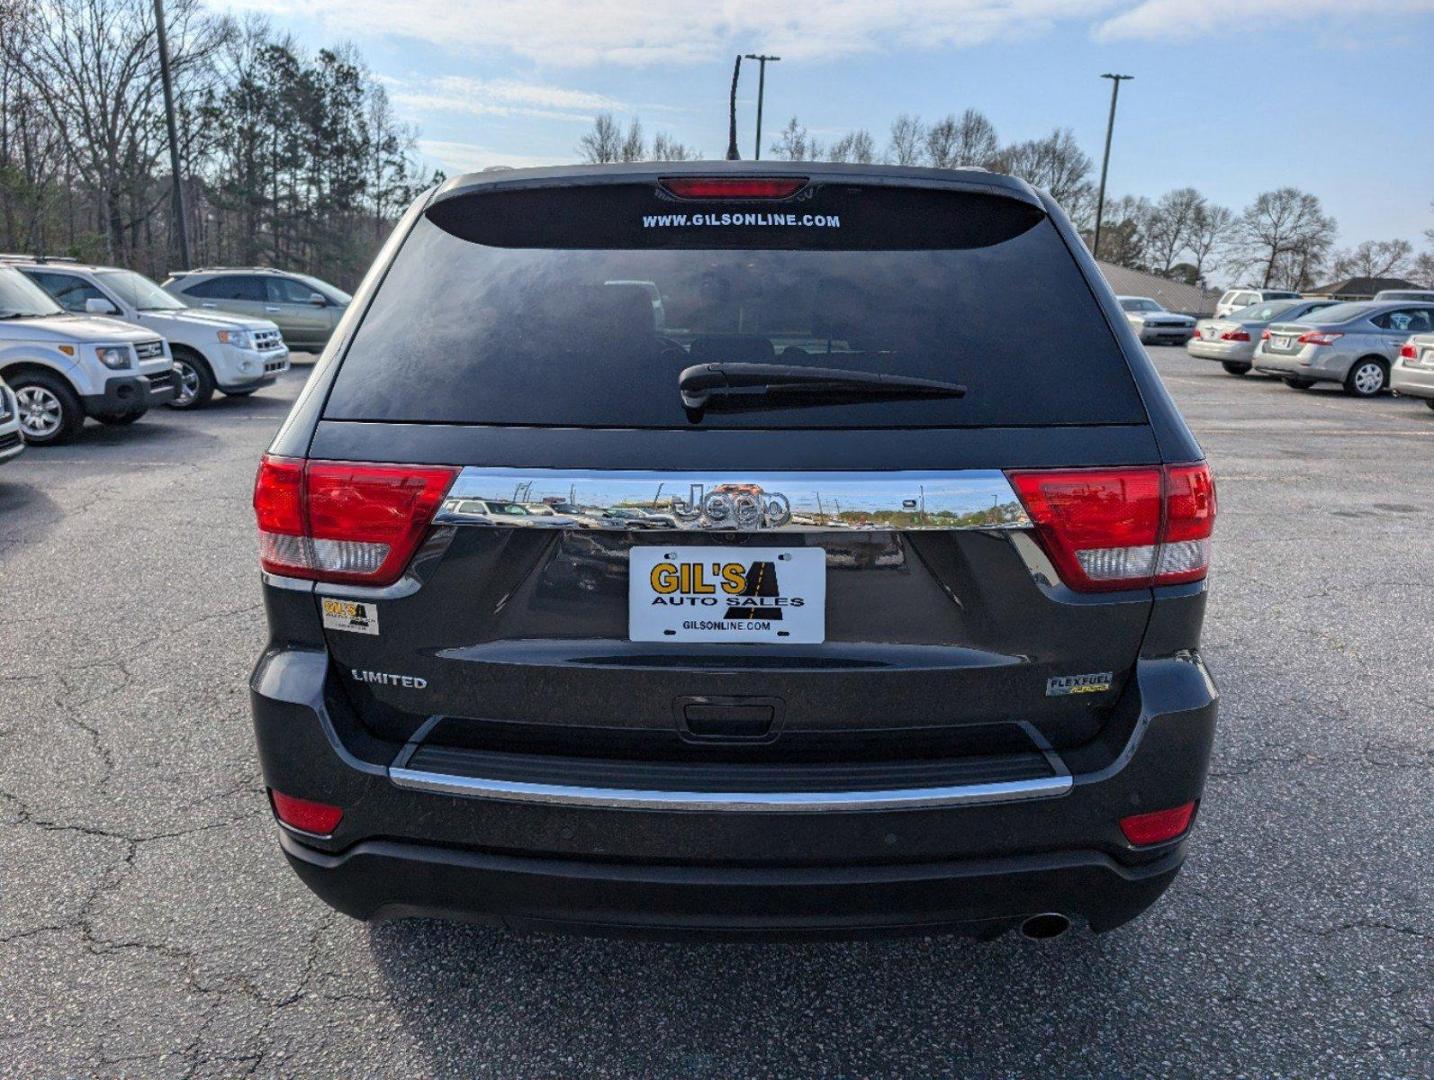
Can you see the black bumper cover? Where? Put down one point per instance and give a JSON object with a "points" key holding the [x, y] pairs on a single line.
{"points": [[129, 394]]}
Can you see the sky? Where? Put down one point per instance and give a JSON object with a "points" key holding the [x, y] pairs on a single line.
{"points": [[1232, 97]]}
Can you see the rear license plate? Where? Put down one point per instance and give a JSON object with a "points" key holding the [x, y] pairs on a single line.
{"points": [[1282, 342], [739, 594]]}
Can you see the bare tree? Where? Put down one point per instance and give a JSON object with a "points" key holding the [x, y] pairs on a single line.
{"points": [[908, 137], [794, 143], [666, 148], [1374, 258], [854, 146], [634, 146], [1055, 163], [1421, 270], [603, 144], [1285, 236], [1170, 227], [957, 141], [1210, 234], [1123, 236]]}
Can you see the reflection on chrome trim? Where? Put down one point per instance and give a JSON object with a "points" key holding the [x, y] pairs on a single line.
{"points": [[762, 801], [745, 502]]}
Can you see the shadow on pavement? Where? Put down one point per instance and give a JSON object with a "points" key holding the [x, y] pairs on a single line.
{"points": [[25, 510]]}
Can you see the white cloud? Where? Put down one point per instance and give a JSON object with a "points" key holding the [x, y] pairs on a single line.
{"points": [[498, 97], [1166, 19], [640, 32], [462, 157]]}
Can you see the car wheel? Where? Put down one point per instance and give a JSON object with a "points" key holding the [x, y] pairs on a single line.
{"points": [[50, 413], [195, 381], [119, 419], [1234, 368], [1367, 378], [1299, 384]]}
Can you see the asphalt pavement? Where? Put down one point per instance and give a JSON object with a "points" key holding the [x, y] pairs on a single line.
{"points": [[149, 926]]}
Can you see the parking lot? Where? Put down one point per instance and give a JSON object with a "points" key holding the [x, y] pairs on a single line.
{"points": [[149, 926]]}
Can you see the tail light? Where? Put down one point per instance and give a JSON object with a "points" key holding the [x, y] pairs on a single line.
{"points": [[1317, 337], [733, 187], [1157, 826], [318, 818], [1406, 351], [344, 521], [1265, 336], [1235, 335], [1129, 528]]}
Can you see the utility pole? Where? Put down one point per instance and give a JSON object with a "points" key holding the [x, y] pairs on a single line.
{"points": [[733, 154], [1115, 81], [761, 92], [181, 230]]}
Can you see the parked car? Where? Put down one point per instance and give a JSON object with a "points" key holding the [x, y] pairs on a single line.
{"points": [[65, 367], [1153, 324], [305, 309], [1235, 299], [1422, 295], [1413, 372], [1354, 344], [12, 440], [211, 351], [1000, 720], [1233, 340]]}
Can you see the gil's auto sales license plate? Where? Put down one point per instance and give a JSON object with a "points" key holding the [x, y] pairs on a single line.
{"points": [[740, 594]]}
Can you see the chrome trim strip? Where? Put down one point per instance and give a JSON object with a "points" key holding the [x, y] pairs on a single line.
{"points": [[758, 802], [747, 502]]}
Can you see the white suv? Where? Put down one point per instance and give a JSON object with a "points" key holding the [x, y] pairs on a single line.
{"points": [[212, 351], [66, 367], [1235, 299], [12, 443]]}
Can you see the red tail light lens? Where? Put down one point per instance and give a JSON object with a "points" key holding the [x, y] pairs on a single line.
{"points": [[733, 187], [1316, 337], [344, 521], [1157, 826], [1235, 335], [1265, 336], [1108, 529], [1406, 351], [318, 818]]}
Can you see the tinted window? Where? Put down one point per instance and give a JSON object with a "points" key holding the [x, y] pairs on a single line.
{"points": [[1405, 321], [288, 291], [70, 291], [1343, 313], [229, 287], [465, 332]]}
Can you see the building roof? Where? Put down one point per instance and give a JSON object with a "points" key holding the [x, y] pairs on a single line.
{"points": [[1173, 295], [1361, 286]]}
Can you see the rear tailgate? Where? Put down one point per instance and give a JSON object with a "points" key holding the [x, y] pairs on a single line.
{"points": [[532, 339]]}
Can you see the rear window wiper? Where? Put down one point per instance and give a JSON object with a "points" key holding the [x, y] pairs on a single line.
{"points": [[700, 382]]}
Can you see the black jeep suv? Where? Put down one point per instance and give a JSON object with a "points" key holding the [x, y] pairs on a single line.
{"points": [[735, 549]]}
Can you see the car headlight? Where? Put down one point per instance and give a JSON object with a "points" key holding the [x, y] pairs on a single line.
{"points": [[114, 357], [240, 339]]}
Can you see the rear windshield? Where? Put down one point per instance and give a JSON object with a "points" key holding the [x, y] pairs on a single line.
{"points": [[468, 332]]}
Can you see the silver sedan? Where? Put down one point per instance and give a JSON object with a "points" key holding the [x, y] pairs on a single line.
{"points": [[1413, 374], [1351, 344], [1233, 339]]}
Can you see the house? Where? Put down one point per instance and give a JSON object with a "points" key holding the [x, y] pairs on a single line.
{"points": [[1359, 288], [1173, 295]]}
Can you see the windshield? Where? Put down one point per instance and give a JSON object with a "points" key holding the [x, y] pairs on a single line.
{"points": [[1341, 313], [1140, 304], [22, 298], [464, 332], [338, 296], [138, 291]]}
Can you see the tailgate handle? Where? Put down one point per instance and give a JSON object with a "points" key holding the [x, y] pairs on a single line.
{"points": [[727, 718]]}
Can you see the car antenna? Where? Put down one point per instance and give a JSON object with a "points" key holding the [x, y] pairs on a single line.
{"points": [[732, 153]]}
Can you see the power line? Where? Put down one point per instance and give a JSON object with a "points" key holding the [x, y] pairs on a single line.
{"points": [[761, 92], [1115, 81]]}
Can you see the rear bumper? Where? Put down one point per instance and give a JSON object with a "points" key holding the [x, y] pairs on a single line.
{"points": [[981, 866], [1412, 382], [1229, 352], [1319, 363]]}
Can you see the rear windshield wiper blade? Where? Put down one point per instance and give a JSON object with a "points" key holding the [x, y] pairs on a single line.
{"points": [[700, 382]]}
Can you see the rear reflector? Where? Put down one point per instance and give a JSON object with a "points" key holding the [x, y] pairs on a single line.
{"points": [[343, 521], [311, 817], [733, 187], [1107, 529], [1157, 826]]}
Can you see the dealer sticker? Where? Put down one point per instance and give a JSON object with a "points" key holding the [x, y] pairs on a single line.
{"points": [[355, 616]]}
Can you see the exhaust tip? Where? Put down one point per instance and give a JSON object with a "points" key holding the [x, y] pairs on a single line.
{"points": [[1045, 927]]}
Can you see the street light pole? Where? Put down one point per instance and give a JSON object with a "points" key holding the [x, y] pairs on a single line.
{"points": [[761, 92], [1115, 81], [180, 228]]}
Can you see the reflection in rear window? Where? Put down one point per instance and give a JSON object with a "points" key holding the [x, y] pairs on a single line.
{"points": [[465, 333]]}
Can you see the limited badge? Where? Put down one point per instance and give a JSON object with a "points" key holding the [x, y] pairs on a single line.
{"points": [[1096, 683], [355, 616]]}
